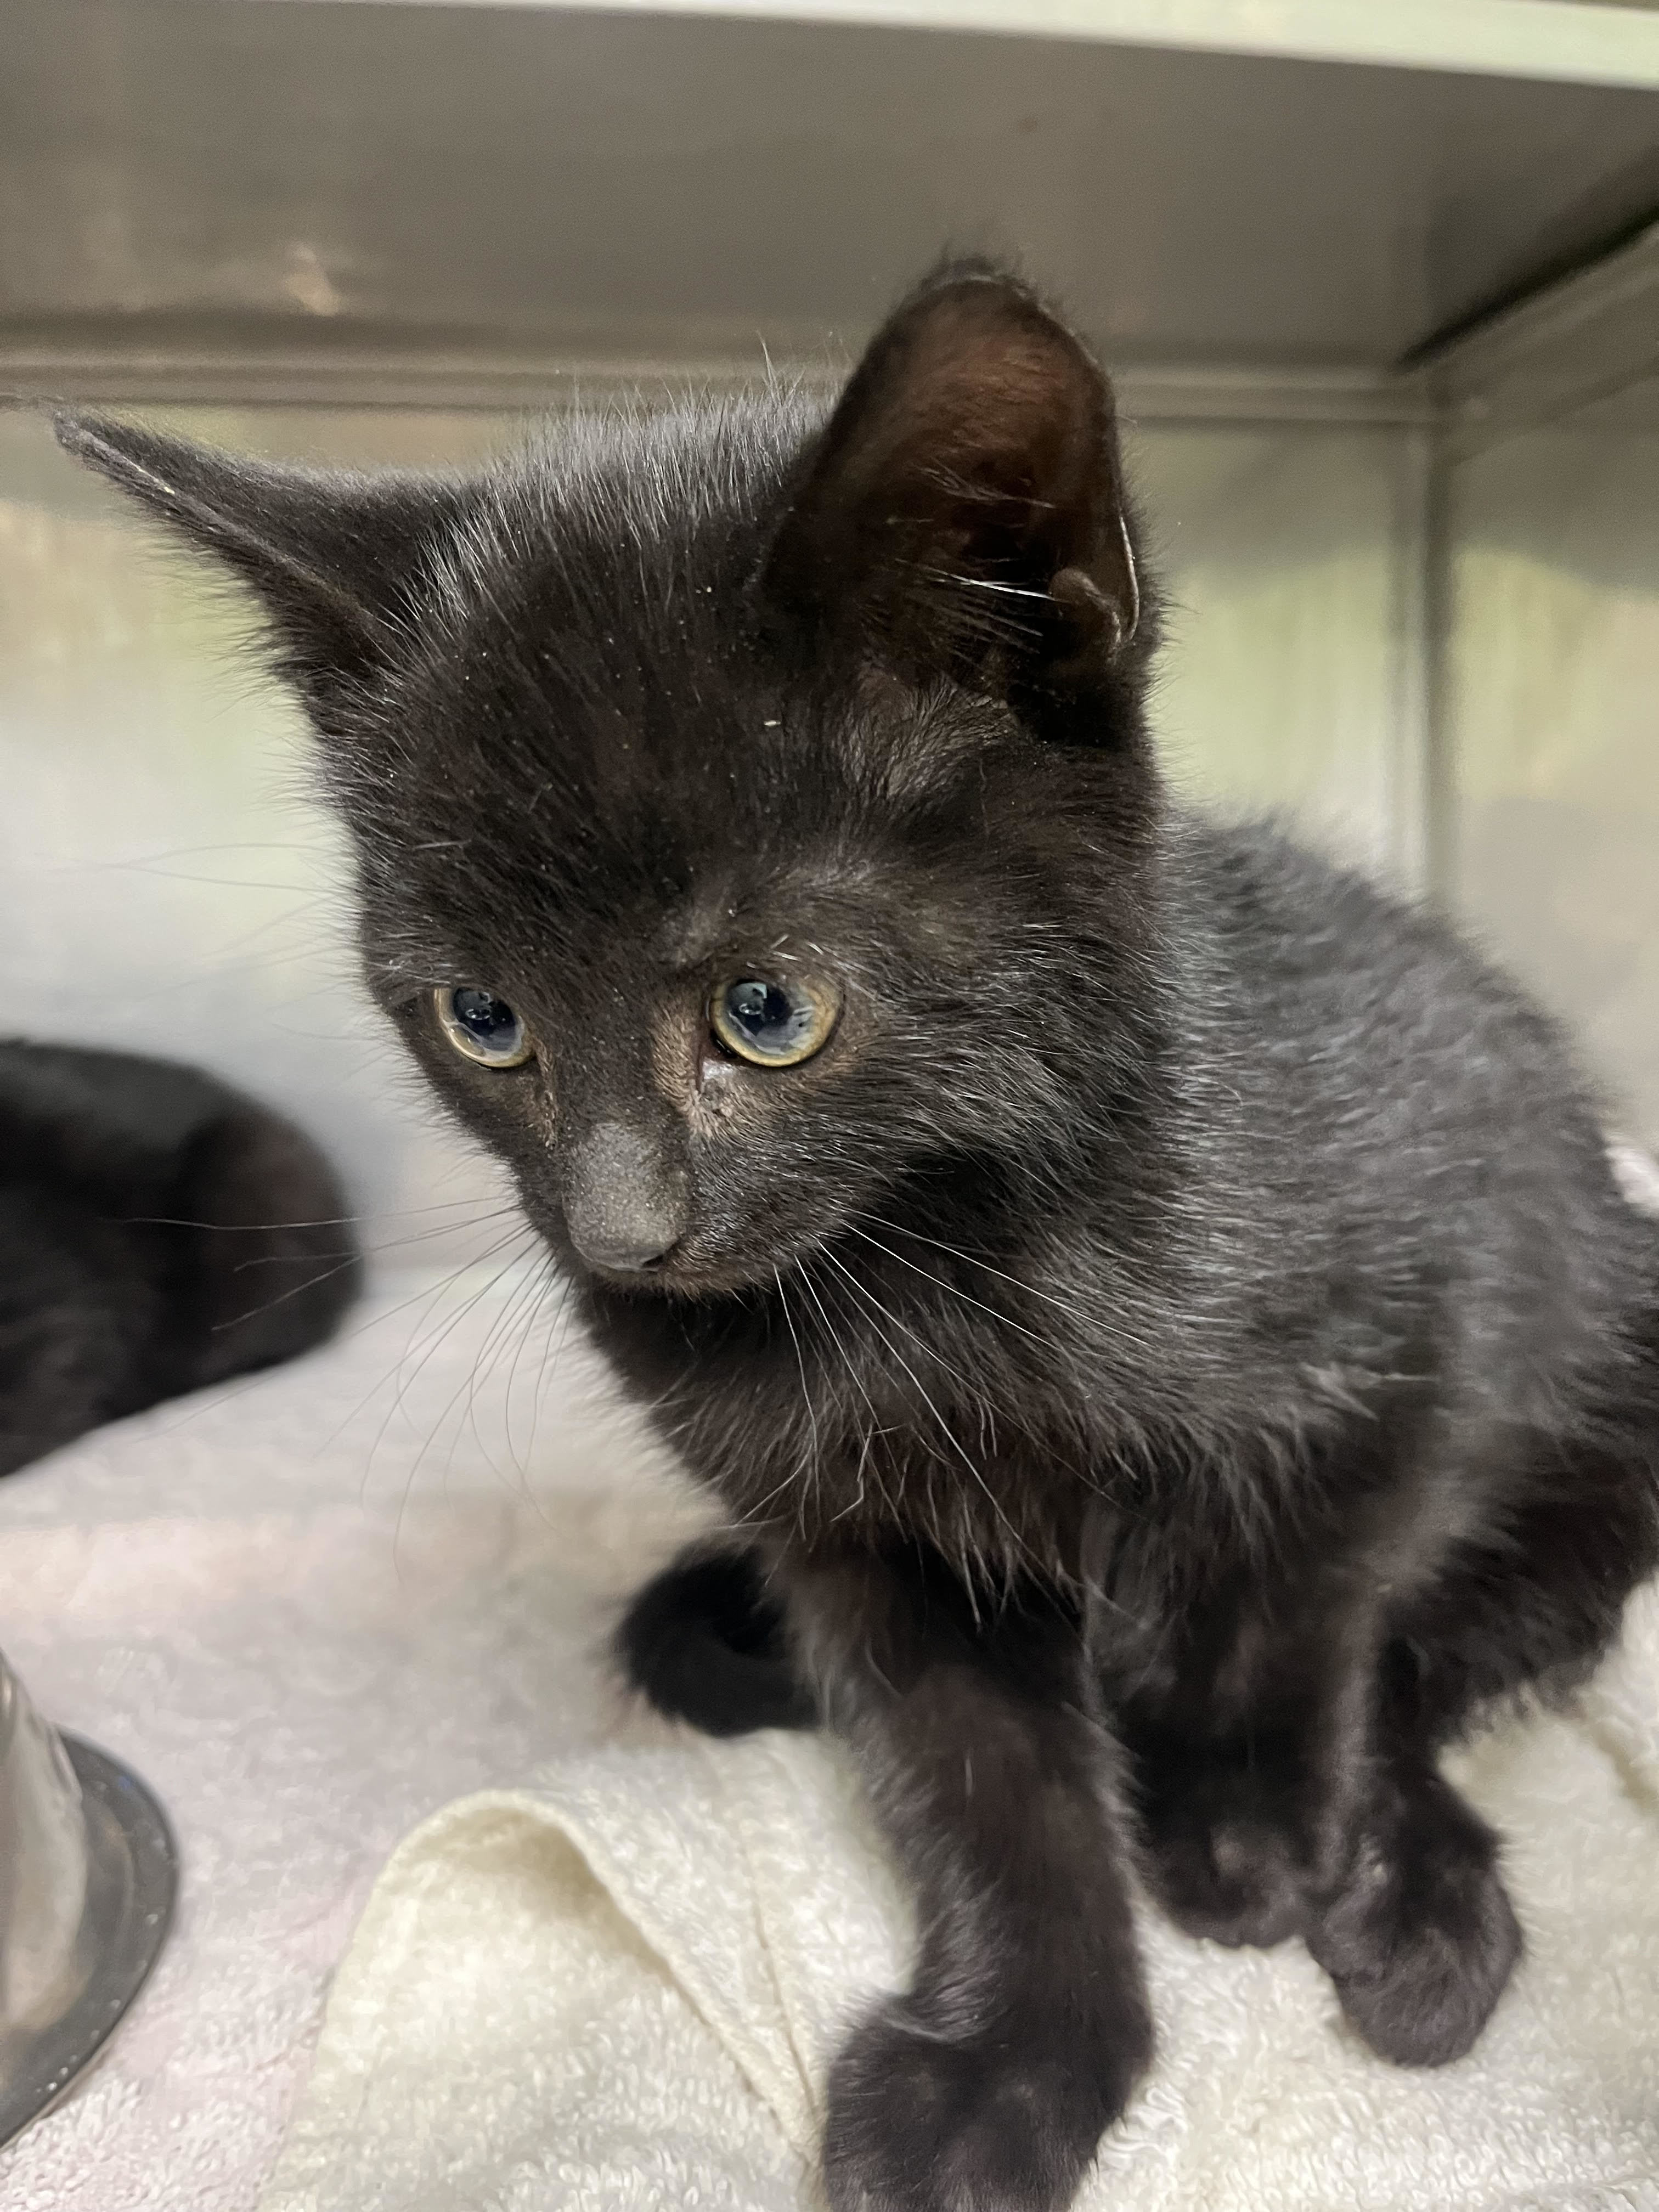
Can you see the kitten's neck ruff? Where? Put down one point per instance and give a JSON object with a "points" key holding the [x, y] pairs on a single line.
{"points": [[985, 1386]]}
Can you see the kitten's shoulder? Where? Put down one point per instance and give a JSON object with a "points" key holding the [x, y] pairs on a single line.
{"points": [[1336, 968], [1253, 884]]}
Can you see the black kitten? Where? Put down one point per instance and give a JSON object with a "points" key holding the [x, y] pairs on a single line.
{"points": [[157, 1232], [1158, 1309]]}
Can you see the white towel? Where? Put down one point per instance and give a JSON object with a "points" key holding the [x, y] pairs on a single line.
{"points": [[620, 1991]]}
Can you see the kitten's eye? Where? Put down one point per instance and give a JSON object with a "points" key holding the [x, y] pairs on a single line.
{"points": [[482, 1027], [774, 1022]]}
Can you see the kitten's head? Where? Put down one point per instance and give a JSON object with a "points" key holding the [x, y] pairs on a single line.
{"points": [[752, 807]]}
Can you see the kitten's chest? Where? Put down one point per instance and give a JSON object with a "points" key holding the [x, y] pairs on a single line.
{"points": [[814, 1434]]}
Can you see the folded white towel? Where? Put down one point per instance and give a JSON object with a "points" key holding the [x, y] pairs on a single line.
{"points": [[620, 1991]]}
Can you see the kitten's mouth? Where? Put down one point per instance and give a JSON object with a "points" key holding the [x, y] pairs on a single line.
{"points": [[687, 1271], [676, 1275], [688, 1276], [690, 1285]]}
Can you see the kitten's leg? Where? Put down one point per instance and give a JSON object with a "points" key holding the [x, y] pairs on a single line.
{"points": [[1226, 1733], [986, 2086], [1219, 1825], [1416, 1931], [703, 1641], [1417, 1934], [1321, 1814]]}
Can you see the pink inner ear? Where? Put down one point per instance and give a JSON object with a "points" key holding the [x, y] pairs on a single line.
{"points": [[998, 433], [970, 464], [996, 414]]}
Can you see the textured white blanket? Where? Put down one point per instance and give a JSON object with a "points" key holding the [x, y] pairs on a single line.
{"points": [[619, 1990]]}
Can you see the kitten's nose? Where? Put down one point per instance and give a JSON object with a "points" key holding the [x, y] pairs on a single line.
{"points": [[625, 1199]]}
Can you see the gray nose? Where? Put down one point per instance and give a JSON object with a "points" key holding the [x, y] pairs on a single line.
{"points": [[625, 1199]]}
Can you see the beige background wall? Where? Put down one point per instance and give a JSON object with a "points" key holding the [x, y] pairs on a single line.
{"points": [[1553, 726]]}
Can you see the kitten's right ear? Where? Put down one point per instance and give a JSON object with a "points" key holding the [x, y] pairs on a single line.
{"points": [[330, 556]]}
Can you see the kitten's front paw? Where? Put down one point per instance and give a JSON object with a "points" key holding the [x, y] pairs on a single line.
{"points": [[1420, 1939], [1008, 2122]]}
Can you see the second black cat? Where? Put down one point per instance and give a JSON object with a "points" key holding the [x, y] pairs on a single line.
{"points": [[158, 1232]]}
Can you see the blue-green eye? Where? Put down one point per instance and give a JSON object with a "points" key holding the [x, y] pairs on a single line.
{"points": [[482, 1027], [775, 1021]]}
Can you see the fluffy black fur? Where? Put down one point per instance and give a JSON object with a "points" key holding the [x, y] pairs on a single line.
{"points": [[158, 1232], [1176, 1353], [706, 1641]]}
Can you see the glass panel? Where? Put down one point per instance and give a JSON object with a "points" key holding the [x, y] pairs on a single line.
{"points": [[1286, 686], [1553, 717]]}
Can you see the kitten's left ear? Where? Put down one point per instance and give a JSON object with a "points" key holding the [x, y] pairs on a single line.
{"points": [[331, 556], [962, 514]]}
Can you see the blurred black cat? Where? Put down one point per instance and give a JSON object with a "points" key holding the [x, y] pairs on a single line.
{"points": [[158, 1232], [1158, 1309]]}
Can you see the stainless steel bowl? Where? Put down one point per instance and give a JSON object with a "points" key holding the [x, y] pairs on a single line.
{"points": [[88, 1877]]}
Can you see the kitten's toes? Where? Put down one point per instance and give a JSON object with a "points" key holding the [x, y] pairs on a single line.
{"points": [[1421, 1938], [1222, 1866], [703, 1641], [1009, 2122]]}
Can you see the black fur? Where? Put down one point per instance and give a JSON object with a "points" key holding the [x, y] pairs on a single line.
{"points": [[706, 1643], [1177, 1350], [157, 1232]]}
